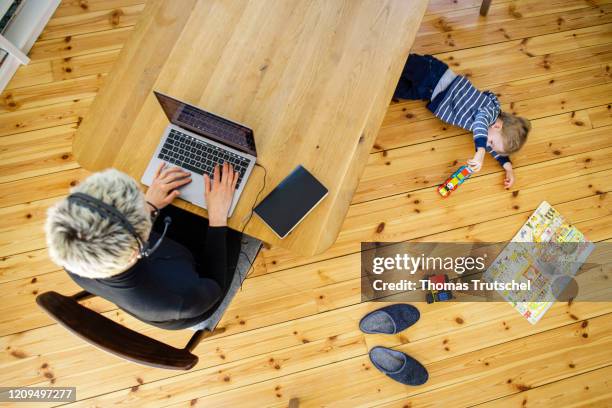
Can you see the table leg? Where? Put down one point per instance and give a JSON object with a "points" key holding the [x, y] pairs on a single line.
{"points": [[484, 7]]}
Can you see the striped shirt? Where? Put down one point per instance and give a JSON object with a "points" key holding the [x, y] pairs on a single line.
{"points": [[465, 106]]}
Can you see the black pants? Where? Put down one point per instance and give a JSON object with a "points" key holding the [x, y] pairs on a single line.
{"points": [[189, 230], [420, 76]]}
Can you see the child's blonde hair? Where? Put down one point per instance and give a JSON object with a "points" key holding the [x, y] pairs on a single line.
{"points": [[514, 131]]}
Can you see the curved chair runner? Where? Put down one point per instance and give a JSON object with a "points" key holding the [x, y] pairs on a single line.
{"points": [[123, 342]]}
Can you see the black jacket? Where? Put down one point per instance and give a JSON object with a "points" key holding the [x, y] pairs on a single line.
{"points": [[170, 289]]}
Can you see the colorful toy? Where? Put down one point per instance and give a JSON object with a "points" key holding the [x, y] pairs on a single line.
{"points": [[438, 295], [454, 181]]}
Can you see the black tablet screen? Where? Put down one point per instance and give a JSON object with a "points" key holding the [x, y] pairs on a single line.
{"points": [[290, 201]]}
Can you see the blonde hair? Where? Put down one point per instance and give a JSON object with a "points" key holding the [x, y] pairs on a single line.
{"points": [[84, 242], [514, 132]]}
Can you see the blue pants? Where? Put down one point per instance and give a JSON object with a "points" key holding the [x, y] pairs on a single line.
{"points": [[419, 78]]}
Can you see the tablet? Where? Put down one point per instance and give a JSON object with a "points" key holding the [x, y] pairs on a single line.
{"points": [[291, 201]]}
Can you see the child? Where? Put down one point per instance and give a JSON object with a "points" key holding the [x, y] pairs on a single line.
{"points": [[453, 99]]}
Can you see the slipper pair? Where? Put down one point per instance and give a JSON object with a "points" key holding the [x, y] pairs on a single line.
{"points": [[395, 364]]}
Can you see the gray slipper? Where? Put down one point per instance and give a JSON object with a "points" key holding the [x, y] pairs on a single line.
{"points": [[398, 366], [389, 319]]}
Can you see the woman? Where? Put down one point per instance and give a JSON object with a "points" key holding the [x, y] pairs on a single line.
{"points": [[99, 235]]}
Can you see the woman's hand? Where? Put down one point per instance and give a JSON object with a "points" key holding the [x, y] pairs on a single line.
{"points": [[476, 163], [165, 185], [219, 195], [509, 179]]}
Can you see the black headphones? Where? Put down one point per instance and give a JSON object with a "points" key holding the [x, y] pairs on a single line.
{"points": [[110, 212]]}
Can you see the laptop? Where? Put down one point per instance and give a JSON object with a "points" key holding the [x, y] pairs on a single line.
{"points": [[196, 141]]}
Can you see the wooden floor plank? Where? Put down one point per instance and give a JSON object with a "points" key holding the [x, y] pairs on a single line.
{"points": [[549, 84], [445, 6], [24, 265], [31, 74], [43, 117], [21, 227], [518, 59], [55, 183], [51, 93], [465, 29], [600, 116], [35, 153], [592, 389], [79, 44], [80, 7], [63, 26], [564, 101], [63, 68], [99, 63]]}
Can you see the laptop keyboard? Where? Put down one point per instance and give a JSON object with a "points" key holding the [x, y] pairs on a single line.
{"points": [[199, 156], [216, 126]]}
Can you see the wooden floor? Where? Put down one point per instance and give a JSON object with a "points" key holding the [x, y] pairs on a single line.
{"points": [[292, 331]]}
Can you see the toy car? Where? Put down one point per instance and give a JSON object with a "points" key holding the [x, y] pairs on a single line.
{"points": [[454, 181], [438, 295]]}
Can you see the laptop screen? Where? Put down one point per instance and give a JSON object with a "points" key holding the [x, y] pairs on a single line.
{"points": [[207, 124]]}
